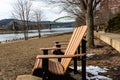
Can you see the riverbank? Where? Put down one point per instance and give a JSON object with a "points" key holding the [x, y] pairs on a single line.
{"points": [[17, 58], [33, 33], [34, 37]]}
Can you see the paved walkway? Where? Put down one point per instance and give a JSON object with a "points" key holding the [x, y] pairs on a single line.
{"points": [[110, 38]]}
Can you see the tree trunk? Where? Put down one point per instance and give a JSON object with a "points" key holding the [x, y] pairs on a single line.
{"points": [[25, 35], [39, 32], [89, 23], [25, 32]]}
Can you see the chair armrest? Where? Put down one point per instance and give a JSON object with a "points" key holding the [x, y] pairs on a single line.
{"points": [[60, 56], [60, 41], [54, 48]]}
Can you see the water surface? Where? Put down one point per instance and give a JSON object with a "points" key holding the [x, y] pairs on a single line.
{"points": [[33, 33]]}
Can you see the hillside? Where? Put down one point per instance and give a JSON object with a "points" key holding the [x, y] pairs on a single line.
{"points": [[46, 24], [5, 21]]}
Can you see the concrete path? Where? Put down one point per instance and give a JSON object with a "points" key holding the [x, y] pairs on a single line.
{"points": [[110, 38]]}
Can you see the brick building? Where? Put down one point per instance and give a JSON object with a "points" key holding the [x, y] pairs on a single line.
{"points": [[106, 11], [112, 5]]}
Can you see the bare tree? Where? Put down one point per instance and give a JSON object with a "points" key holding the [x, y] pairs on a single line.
{"points": [[38, 17], [21, 11], [82, 7], [88, 7]]}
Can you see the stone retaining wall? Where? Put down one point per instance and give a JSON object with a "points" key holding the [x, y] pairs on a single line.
{"points": [[111, 39]]}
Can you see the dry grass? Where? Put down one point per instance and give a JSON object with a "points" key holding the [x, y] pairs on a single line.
{"points": [[18, 57]]}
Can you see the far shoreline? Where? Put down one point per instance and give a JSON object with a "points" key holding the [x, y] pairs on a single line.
{"points": [[35, 37]]}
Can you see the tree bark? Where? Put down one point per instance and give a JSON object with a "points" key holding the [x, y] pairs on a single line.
{"points": [[39, 32], [90, 24]]}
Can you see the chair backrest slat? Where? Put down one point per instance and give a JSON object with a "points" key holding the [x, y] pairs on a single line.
{"points": [[75, 40]]}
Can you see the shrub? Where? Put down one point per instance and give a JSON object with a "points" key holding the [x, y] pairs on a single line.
{"points": [[114, 24]]}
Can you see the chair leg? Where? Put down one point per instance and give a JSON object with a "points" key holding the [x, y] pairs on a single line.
{"points": [[58, 52], [78, 51], [75, 65], [83, 68], [45, 69], [84, 60], [45, 66]]}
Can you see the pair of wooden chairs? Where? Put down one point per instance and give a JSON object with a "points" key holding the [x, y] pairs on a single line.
{"points": [[48, 69]]}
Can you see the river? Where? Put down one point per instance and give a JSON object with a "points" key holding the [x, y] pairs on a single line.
{"points": [[33, 33]]}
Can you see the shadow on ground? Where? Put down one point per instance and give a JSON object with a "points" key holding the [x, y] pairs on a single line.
{"points": [[52, 76]]}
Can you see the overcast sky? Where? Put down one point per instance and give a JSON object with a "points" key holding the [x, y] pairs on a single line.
{"points": [[51, 12]]}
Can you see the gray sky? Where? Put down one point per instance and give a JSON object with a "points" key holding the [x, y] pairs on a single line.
{"points": [[51, 12]]}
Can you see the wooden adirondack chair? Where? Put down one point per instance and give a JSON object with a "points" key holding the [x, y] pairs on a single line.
{"points": [[46, 68]]}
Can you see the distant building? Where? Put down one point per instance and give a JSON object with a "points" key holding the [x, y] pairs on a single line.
{"points": [[112, 5], [106, 11]]}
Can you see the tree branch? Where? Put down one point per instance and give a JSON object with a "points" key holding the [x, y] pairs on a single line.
{"points": [[95, 3], [83, 5]]}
